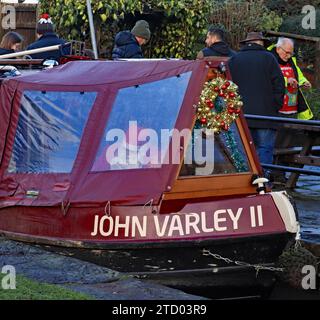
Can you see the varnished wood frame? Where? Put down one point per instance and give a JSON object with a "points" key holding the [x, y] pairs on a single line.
{"points": [[220, 185]]}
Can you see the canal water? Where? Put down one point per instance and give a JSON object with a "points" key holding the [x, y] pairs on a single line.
{"points": [[307, 198]]}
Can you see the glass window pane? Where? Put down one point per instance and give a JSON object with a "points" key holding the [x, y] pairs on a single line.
{"points": [[227, 155], [49, 131], [153, 106]]}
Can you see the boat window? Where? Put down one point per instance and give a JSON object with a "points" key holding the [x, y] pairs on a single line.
{"points": [[225, 155], [49, 131], [137, 132]]}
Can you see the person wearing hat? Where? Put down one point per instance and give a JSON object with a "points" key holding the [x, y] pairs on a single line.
{"points": [[128, 43], [47, 37], [216, 45], [261, 86]]}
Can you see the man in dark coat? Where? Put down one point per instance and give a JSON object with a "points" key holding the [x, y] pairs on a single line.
{"points": [[46, 38], [216, 45], [261, 86], [128, 43]]}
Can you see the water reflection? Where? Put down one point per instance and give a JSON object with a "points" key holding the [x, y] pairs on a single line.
{"points": [[307, 195]]}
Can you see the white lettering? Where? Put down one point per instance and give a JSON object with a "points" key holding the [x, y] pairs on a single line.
{"points": [[175, 225], [110, 225], [9, 280], [309, 281], [161, 232], [9, 20], [204, 223], [123, 310], [235, 218], [309, 21], [260, 216], [125, 226], [217, 220], [253, 217], [141, 228], [95, 226], [192, 224], [208, 158], [115, 153]]}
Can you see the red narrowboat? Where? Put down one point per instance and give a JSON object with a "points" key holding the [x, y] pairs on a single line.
{"points": [[171, 221]]}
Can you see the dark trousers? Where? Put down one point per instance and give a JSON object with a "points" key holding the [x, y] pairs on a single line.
{"points": [[264, 141]]}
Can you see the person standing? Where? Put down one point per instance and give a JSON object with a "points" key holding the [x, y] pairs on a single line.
{"points": [[215, 45], [47, 37], [294, 103], [128, 43], [10, 43], [262, 87]]}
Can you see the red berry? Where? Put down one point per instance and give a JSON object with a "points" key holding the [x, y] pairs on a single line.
{"points": [[225, 127]]}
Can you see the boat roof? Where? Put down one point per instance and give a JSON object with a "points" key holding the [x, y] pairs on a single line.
{"points": [[95, 73]]}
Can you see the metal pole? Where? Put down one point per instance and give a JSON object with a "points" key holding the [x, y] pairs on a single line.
{"points": [[317, 66], [92, 30], [283, 120], [291, 169], [33, 51]]}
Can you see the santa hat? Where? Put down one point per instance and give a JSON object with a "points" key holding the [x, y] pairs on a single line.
{"points": [[45, 24]]}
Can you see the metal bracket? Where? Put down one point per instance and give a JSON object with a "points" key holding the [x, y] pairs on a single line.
{"points": [[107, 209], [65, 208]]}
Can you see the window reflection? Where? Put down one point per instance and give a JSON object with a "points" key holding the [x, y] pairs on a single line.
{"points": [[226, 154], [151, 108], [49, 131]]}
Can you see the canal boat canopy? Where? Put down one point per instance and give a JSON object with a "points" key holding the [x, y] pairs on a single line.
{"points": [[54, 123]]}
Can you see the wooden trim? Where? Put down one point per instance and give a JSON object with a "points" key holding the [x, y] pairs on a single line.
{"points": [[18, 62], [305, 160], [219, 185], [292, 35], [306, 127], [248, 146], [203, 187]]}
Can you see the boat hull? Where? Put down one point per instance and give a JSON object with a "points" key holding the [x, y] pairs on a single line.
{"points": [[202, 246], [184, 265]]}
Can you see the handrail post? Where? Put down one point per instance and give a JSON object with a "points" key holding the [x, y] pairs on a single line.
{"points": [[92, 30], [317, 66]]}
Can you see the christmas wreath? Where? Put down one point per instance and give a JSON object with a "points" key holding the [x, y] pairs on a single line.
{"points": [[219, 105]]}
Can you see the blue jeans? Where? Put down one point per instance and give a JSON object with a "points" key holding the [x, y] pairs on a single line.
{"points": [[264, 141]]}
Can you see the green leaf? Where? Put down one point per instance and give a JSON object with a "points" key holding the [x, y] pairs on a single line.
{"points": [[103, 17]]}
